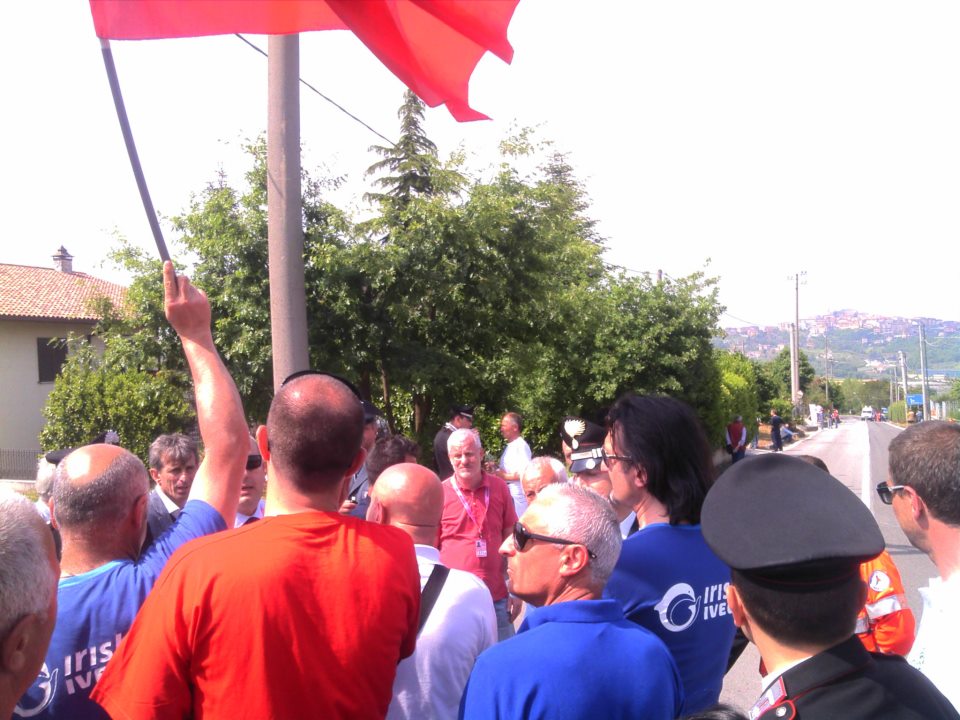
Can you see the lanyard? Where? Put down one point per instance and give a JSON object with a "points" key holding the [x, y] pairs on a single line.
{"points": [[466, 505]]}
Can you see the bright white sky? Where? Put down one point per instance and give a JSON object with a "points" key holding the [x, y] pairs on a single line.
{"points": [[768, 136]]}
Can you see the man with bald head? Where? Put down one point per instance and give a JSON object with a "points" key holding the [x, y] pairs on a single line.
{"points": [[28, 596], [540, 472], [100, 507], [305, 613], [461, 622]]}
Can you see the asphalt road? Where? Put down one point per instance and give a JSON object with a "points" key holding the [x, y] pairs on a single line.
{"points": [[856, 453]]}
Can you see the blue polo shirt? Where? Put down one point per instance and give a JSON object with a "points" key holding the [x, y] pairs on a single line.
{"points": [[576, 659]]}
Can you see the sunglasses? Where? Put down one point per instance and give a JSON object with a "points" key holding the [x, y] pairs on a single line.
{"points": [[254, 461], [886, 492], [607, 457], [521, 536]]}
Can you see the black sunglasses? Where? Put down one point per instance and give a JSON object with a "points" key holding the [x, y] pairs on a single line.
{"points": [[301, 373], [254, 461], [886, 492], [521, 535], [608, 457]]}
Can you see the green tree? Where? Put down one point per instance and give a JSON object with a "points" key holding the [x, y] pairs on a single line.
{"points": [[738, 386], [95, 392], [780, 372]]}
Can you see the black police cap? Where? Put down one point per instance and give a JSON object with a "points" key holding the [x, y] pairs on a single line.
{"points": [[464, 410], [778, 517], [585, 439]]}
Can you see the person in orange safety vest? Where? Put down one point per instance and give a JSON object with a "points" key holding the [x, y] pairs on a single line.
{"points": [[885, 624]]}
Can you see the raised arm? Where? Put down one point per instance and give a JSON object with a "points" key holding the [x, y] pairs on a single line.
{"points": [[223, 428]]}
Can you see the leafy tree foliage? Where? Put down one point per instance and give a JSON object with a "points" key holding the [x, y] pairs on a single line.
{"points": [[95, 392], [490, 290], [738, 387]]}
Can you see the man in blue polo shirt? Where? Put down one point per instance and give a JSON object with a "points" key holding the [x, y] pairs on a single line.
{"points": [[559, 558], [100, 506]]}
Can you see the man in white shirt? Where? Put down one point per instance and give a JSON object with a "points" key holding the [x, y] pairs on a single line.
{"points": [[924, 489], [250, 507], [514, 458], [173, 460], [460, 625]]}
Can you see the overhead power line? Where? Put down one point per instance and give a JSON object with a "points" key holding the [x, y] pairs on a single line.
{"points": [[329, 100]]}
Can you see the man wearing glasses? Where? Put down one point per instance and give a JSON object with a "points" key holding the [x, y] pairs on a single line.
{"points": [[250, 508], [667, 579], [575, 655], [924, 489]]}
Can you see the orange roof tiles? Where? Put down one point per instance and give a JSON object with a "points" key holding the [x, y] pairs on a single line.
{"points": [[45, 293]]}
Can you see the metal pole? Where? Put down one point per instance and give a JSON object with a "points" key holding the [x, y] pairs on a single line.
{"points": [[826, 359], [288, 301], [903, 371], [923, 372]]}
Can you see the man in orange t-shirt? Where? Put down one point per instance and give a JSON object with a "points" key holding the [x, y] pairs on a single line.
{"points": [[303, 614]]}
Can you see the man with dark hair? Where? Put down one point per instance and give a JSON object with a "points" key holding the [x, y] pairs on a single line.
{"points": [[358, 496], [924, 489], [100, 506], [776, 427], [305, 613], [667, 579], [250, 507], [795, 538], [575, 655], [390, 451], [173, 462], [461, 417]]}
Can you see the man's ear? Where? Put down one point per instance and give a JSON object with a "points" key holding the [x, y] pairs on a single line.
{"points": [[154, 475], [918, 508], [138, 514], [640, 480], [15, 646], [357, 463], [53, 519], [573, 559], [263, 442], [735, 605]]}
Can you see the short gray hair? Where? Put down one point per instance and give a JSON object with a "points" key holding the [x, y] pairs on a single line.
{"points": [[575, 513], [457, 437], [46, 471], [27, 582], [180, 447], [102, 501], [552, 464]]}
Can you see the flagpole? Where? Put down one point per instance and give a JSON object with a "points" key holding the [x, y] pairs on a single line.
{"points": [[132, 148]]}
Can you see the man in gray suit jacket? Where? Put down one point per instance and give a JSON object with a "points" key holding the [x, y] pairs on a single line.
{"points": [[173, 464]]}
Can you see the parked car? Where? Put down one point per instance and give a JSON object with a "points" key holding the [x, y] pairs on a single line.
{"points": [[867, 412]]}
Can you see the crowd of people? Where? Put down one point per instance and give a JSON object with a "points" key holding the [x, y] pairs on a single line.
{"points": [[305, 568]]}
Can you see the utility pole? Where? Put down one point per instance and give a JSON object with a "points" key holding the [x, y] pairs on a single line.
{"points": [[826, 361], [923, 371], [903, 371], [795, 343]]}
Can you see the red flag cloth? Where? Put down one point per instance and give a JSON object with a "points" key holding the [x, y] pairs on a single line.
{"points": [[433, 46]]}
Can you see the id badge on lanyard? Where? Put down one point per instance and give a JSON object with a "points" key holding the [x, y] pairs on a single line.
{"points": [[481, 547], [480, 544]]}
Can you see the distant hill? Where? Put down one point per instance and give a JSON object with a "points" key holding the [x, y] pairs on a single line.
{"points": [[848, 343]]}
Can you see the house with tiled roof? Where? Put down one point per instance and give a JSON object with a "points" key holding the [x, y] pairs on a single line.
{"points": [[39, 309]]}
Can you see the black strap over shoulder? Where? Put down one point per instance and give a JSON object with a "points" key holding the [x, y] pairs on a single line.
{"points": [[430, 592]]}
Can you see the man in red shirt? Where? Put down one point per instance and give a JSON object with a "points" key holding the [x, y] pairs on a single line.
{"points": [[303, 614], [478, 515]]}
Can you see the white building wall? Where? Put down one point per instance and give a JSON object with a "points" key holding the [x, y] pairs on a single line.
{"points": [[23, 395]]}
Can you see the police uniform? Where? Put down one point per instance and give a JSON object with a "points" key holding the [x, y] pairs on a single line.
{"points": [[789, 527]]}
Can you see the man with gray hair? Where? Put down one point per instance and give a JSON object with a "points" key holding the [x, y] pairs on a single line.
{"points": [[28, 596], [540, 472], [100, 507], [559, 558], [172, 463], [478, 515]]}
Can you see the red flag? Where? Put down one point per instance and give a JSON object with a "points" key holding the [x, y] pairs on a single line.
{"points": [[433, 46]]}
